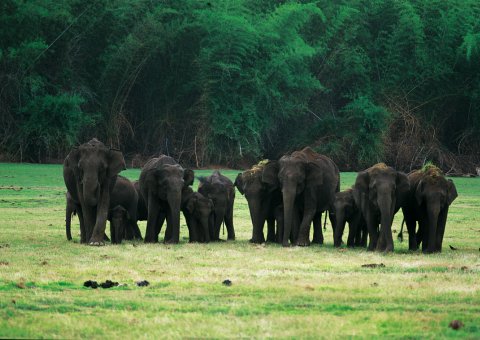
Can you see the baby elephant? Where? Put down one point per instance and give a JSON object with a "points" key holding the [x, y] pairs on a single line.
{"points": [[119, 218], [345, 210], [199, 215]]}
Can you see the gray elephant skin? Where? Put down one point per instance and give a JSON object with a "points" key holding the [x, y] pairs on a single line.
{"points": [[345, 210], [161, 182], [380, 191], [429, 199], [122, 212], [264, 200], [90, 172], [221, 191]]}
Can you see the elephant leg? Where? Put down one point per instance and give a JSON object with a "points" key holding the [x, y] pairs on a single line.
{"points": [[192, 230], [352, 234], [382, 241], [363, 227], [229, 225], [137, 234], [129, 233], [423, 233], [304, 232], [279, 220], [151, 233], [372, 227], [271, 237], [158, 227], [442, 221], [83, 233], [411, 222], [317, 229]]}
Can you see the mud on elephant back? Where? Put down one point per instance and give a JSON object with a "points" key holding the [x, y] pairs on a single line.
{"points": [[90, 172]]}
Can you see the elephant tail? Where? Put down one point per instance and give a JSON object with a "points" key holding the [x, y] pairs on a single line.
{"points": [[325, 221], [400, 234]]}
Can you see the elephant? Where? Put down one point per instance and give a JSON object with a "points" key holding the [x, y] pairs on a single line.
{"points": [[345, 210], [119, 218], [199, 215], [123, 195], [161, 183], [90, 172], [221, 191], [428, 200], [308, 182], [264, 199], [380, 191]]}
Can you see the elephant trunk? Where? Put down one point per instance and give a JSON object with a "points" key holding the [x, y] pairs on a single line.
{"points": [[90, 191], [433, 211], [288, 207], [174, 199], [204, 232], [385, 241], [258, 220]]}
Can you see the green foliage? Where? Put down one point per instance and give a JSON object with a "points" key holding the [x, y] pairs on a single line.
{"points": [[226, 81]]}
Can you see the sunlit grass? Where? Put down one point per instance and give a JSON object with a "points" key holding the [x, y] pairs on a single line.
{"points": [[275, 292]]}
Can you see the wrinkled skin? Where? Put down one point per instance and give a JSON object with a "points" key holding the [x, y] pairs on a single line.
{"points": [[345, 210], [380, 191], [199, 215], [221, 191], [308, 182], [123, 195], [429, 198], [90, 172], [161, 182], [263, 200]]}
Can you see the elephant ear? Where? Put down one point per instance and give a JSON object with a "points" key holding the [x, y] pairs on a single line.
{"points": [[239, 183], [314, 174], [403, 186], [191, 204], [270, 174], [360, 188], [452, 191], [116, 162], [188, 177], [72, 159], [419, 192]]}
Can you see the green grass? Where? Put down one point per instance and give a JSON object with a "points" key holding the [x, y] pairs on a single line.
{"points": [[297, 292]]}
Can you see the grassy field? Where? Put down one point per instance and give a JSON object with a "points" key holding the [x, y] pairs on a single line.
{"points": [[296, 292]]}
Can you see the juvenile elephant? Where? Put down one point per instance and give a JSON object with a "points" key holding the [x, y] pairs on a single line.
{"points": [[161, 182], [199, 215], [263, 199], [221, 191], [429, 198], [308, 182], [90, 172], [380, 191], [345, 210], [119, 218], [123, 195]]}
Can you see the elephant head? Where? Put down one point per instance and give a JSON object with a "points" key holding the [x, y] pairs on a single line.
{"points": [[94, 165], [258, 186], [379, 192], [433, 195]]}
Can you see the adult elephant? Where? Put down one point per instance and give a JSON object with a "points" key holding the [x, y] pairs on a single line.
{"points": [[221, 191], [161, 182], [308, 182], [429, 198], [90, 172], [123, 195], [380, 191], [263, 199]]}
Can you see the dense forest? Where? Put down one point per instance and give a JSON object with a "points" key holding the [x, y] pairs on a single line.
{"points": [[228, 82]]}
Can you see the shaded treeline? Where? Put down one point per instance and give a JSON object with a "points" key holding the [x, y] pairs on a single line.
{"points": [[229, 82]]}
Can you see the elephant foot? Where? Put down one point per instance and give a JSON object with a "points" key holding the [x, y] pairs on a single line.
{"points": [[170, 241], [96, 243], [149, 240], [302, 242], [286, 244], [231, 238], [319, 242]]}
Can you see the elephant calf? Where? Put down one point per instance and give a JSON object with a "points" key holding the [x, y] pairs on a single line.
{"points": [[221, 191], [118, 218], [345, 210], [429, 198], [199, 215]]}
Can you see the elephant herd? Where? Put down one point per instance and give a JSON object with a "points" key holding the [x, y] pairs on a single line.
{"points": [[289, 194]]}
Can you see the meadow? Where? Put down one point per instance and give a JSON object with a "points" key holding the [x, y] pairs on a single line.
{"points": [[311, 292]]}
